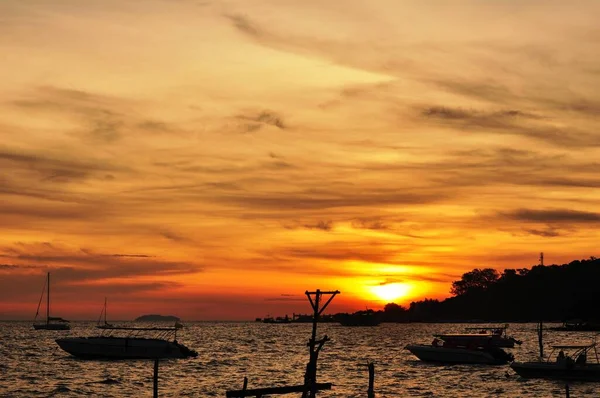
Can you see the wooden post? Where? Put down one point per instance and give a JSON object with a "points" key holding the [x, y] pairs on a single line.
{"points": [[540, 340], [371, 391], [245, 384], [155, 393], [567, 390]]}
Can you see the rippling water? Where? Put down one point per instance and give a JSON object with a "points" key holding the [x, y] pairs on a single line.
{"points": [[32, 365]]}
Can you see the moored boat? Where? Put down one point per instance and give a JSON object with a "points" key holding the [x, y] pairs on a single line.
{"points": [[52, 322], [453, 351], [105, 324], [128, 343], [571, 363]]}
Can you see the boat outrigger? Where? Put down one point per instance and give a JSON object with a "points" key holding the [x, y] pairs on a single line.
{"points": [[52, 322], [117, 342]]}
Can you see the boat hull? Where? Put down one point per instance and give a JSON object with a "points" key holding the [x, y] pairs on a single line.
{"points": [[551, 370], [123, 348], [52, 326], [453, 355]]}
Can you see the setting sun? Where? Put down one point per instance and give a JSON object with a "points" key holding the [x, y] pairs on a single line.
{"points": [[391, 291]]}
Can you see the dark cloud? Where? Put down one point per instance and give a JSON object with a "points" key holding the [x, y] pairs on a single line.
{"points": [[243, 24], [477, 117], [512, 122], [546, 233], [309, 200], [86, 265], [102, 116], [408, 278], [488, 91], [106, 130], [51, 169], [376, 224], [285, 299], [28, 286], [155, 126], [341, 251], [7, 267], [553, 216], [322, 225], [265, 118], [497, 93], [174, 237]]}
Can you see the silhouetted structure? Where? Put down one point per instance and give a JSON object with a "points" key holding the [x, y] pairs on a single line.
{"points": [[310, 387]]}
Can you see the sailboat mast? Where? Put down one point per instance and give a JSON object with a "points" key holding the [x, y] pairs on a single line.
{"points": [[105, 309], [48, 301]]}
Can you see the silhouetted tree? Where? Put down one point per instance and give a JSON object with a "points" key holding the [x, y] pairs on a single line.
{"points": [[393, 312], [476, 280], [554, 292]]}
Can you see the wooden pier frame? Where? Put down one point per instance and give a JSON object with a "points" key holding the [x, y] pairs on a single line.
{"points": [[314, 345], [310, 387]]}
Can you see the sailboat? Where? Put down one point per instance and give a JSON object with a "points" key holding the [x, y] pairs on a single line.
{"points": [[104, 325], [52, 323]]}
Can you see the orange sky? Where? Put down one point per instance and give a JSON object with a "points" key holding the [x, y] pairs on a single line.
{"points": [[215, 159]]}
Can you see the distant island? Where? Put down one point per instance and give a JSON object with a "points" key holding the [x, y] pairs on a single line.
{"points": [[157, 318]]}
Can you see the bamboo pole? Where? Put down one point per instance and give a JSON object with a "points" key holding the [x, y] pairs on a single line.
{"points": [[155, 379], [371, 391]]}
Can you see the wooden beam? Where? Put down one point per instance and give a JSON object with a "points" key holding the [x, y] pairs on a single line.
{"points": [[258, 392]]}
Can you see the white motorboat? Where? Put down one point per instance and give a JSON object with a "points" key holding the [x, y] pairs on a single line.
{"points": [[52, 322], [128, 343], [447, 349]]}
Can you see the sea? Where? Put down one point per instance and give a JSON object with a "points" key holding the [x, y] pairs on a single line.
{"points": [[32, 364]]}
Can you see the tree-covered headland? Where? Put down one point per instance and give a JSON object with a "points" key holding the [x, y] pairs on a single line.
{"points": [[549, 293]]}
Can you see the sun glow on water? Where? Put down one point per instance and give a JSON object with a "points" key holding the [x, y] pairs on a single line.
{"points": [[390, 292]]}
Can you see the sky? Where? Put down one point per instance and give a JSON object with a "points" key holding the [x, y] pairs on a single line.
{"points": [[215, 159]]}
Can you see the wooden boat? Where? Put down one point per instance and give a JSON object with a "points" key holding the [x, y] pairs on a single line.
{"points": [[52, 322], [128, 343], [571, 363], [448, 349]]}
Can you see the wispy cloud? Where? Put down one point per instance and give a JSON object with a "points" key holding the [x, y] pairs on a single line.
{"points": [[554, 216]]}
